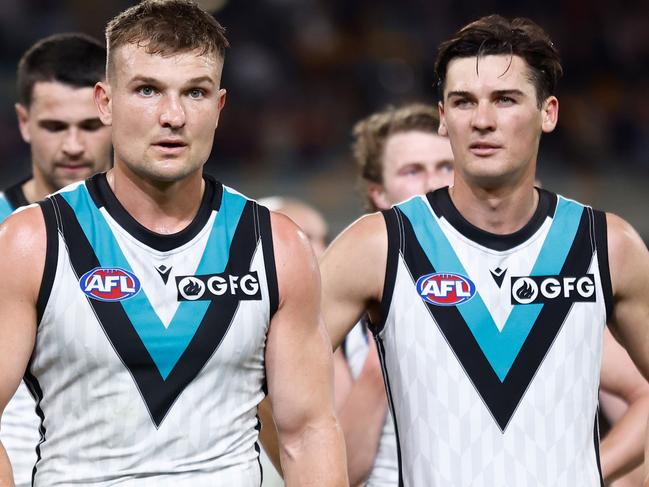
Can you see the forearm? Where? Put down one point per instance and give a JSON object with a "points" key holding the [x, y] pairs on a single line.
{"points": [[622, 448], [268, 433], [362, 418], [315, 456], [6, 474]]}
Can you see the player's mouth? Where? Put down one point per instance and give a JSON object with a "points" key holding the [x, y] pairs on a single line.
{"points": [[170, 146], [73, 168], [484, 149]]}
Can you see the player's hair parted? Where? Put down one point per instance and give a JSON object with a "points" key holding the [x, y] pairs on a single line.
{"points": [[73, 59], [371, 134], [166, 27], [494, 35]]}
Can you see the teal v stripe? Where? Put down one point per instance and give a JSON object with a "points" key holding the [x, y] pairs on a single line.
{"points": [[5, 208], [165, 345], [500, 347]]}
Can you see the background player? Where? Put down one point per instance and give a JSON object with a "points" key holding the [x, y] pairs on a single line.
{"points": [[59, 120], [155, 302], [468, 386], [399, 154]]}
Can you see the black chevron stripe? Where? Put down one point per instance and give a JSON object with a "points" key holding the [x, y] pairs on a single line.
{"points": [[502, 398], [159, 394]]}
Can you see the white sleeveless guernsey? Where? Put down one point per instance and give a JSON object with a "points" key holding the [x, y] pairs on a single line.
{"points": [[491, 345], [149, 357]]}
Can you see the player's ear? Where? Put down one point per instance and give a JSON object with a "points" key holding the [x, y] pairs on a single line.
{"points": [[550, 114], [442, 130], [221, 96], [23, 121], [376, 193], [103, 100]]}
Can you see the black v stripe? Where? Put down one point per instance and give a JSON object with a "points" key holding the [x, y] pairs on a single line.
{"points": [[159, 394], [502, 398]]}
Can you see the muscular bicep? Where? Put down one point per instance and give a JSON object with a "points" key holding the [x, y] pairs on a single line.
{"points": [[22, 246], [619, 376], [629, 269], [298, 355], [353, 272]]}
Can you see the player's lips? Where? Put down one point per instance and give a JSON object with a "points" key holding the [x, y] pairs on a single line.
{"points": [[170, 145], [484, 149], [73, 167]]}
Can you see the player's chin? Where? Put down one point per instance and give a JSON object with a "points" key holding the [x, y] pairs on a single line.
{"points": [[172, 170], [65, 178]]}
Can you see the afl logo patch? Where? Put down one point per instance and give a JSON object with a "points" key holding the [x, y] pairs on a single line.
{"points": [[109, 284], [443, 289]]}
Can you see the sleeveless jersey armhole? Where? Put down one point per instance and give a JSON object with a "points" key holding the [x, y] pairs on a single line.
{"points": [[601, 246], [51, 217], [394, 229], [262, 215]]}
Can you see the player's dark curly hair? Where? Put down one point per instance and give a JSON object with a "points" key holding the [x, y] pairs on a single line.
{"points": [[497, 35]]}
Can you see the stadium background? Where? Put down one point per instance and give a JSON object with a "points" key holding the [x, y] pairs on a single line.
{"points": [[301, 72]]}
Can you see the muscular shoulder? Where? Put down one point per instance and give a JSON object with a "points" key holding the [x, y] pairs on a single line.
{"points": [[24, 230], [358, 257], [23, 244], [366, 236], [295, 262], [627, 253]]}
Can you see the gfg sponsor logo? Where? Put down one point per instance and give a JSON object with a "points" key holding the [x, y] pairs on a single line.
{"points": [[445, 289], [211, 286], [544, 289], [109, 284]]}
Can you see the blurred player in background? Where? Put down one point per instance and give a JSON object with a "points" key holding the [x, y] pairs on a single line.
{"points": [[59, 120], [152, 306], [399, 154], [306, 216]]}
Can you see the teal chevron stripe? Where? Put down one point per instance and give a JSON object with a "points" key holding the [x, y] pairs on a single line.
{"points": [[5, 208], [500, 347], [165, 345]]}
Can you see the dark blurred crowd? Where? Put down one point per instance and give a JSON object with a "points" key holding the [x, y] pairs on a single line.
{"points": [[301, 72]]}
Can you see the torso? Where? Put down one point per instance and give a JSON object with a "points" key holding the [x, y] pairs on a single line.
{"points": [[161, 385], [489, 385]]}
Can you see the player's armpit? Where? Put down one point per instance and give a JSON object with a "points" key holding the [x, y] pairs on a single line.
{"points": [[353, 274], [299, 368]]}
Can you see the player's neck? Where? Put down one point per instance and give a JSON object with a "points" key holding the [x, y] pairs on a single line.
{"points": [[36, 188], [500, 211], [162, 208]]}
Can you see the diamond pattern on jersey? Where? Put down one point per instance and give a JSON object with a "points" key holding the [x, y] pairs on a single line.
{"points": [[500, 364], [162, 360], [500, 347]]}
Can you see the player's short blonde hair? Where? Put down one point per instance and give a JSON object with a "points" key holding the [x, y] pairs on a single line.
{"points": [[165, 27], [371, 134]]}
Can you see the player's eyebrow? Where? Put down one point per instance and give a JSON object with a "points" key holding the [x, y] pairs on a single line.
{"points": [[461, 94], [508, 92]]}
